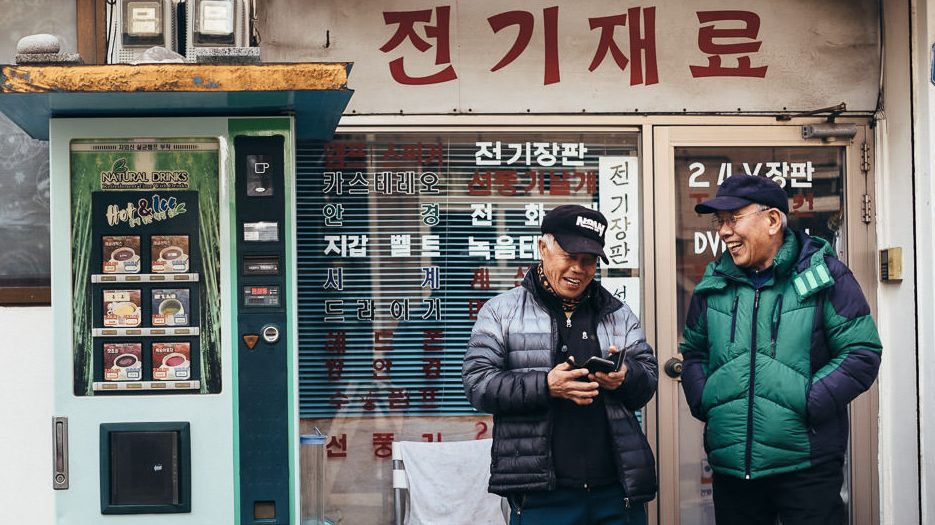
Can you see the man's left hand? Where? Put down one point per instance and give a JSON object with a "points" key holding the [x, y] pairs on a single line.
{"points": [[613, 380]]}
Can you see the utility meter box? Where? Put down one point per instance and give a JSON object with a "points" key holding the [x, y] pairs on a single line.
{"points": [[137, 25]]}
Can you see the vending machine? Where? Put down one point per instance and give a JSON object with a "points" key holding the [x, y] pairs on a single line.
{"points": [[174, 318]]}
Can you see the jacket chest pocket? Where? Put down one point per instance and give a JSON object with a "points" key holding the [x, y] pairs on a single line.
{"points": [[791, 332], [774, 325], [733, 319]]}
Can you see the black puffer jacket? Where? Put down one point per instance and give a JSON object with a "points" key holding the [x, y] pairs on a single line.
{"points": [[509, 356]]}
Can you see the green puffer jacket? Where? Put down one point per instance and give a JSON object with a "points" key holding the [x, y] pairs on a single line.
{"points": [[771, 371]]}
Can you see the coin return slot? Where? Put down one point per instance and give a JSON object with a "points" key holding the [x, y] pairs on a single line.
{"points": [[270, 334], [264, 510]]}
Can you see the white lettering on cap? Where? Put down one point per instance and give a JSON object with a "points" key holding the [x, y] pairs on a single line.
{"points": [[590, 224]]}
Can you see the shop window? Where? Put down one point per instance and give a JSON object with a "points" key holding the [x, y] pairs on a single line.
{"points": [[404, 237], [24, 217]]}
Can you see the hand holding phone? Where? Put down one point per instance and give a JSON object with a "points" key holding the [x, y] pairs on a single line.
{"points": [[596, 364], [611, 363], [612, 380]]}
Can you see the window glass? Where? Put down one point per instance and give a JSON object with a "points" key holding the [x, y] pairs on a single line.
{"points": [[402, 238], [24, 216]]}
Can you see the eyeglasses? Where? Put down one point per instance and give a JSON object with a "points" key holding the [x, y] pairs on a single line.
{"points": [[731, 221]]}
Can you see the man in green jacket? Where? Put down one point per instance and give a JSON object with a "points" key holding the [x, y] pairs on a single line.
{"points": [[777, 341]]}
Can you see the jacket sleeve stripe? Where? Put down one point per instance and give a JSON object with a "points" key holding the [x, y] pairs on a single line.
{"points": [[810, 277], [800, 286]]}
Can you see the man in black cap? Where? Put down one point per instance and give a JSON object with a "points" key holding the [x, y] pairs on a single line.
{"points": [[778, 340], [567, 448]]}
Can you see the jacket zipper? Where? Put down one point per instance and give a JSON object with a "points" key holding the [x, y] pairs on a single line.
{"points": [[749, 453], [733, 318], [774, 327], [551, 421]]}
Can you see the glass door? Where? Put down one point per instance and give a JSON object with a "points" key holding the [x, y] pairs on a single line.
{"points": [[826, 184]]}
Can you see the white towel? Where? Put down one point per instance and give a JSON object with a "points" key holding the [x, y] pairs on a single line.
{"points": [[448, 483]]}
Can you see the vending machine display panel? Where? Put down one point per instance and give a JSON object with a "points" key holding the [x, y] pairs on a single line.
{"points": [[145, 218], [261, 296]]}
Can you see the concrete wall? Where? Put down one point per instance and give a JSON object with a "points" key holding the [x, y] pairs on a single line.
{"points": [[26, 494], [26, 412], [56, 17], [923, 99], [897, 142]]}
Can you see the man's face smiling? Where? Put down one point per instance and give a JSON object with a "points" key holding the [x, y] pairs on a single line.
{"points": [[747, 233], [568, 273]]}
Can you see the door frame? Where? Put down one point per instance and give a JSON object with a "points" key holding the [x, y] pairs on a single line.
{"points": [[861, 257]]}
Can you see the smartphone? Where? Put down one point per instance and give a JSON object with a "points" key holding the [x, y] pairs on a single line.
{"points": [[599, 364], [618, 358], [596, 364]]}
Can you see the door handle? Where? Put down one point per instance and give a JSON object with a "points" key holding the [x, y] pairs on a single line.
{"points": [[60, 453], [673, 368]]}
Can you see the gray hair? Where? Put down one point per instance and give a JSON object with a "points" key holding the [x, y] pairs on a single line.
{"points": [[782, 216], [549, 240], [784, 220]]}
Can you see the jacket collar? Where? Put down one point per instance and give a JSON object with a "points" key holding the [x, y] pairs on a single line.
{"points": [[800, 257]]}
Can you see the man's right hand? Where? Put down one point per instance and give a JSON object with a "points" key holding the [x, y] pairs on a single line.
{"points": [[563, 383]]}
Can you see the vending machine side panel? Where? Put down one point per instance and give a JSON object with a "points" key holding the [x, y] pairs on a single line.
{"points": [[265, 357]]}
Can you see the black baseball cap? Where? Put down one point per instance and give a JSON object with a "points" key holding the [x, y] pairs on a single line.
{"points": [[741, 190], [577, 229]]}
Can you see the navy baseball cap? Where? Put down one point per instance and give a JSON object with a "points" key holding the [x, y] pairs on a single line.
{"points": [[577, 229], [741, 190]]}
